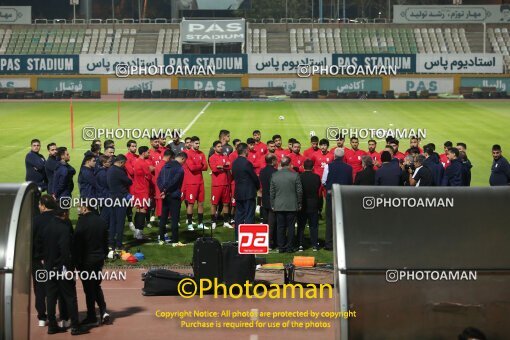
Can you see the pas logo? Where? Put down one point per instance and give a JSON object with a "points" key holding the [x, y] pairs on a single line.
{"points": [[253, 239]]}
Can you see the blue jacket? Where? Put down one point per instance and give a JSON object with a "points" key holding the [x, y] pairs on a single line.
{"points": [[339, 172], [453, 174], [118, 182], [170, 179], [34, 164], [466, 173], [87, 183], [102, 184], [49, 169], [436, 168], [500, 172], [63, 184], [388, 175]]}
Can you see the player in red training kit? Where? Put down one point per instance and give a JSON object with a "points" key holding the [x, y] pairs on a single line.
{"points": [[308, 153], [141, 189], [353, 156], [444, 156], [296, 159], [398, 155], [260, 147], [195, 192], [220, 184], [279, 151], [320, 160], [376, 156], [131, 156]]}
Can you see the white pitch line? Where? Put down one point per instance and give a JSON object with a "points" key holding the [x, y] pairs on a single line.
{"points": [[196, 118]]}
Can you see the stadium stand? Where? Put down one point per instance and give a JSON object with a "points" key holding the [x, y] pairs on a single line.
{"points": [[291, 36], [500, 42]]}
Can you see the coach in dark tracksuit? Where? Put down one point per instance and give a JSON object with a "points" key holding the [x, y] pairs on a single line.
{"points": [[102, 187], [87, 181], [49, 168], [56, 250], [500, 170], [338, 172], [90, 248], [170, 184], [310, 210], [34, 165], [47, 206], [434, 165], [247, 185], [63, 184], [453, 173], [268, 216], [118, 184], [388, 174]]}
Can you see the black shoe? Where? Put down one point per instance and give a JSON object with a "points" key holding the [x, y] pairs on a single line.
{"points": [[281, 251], [291, 250], [328, 248], [88, 321], [78, 331], [300, 248], [106, 319], [55, 330]]}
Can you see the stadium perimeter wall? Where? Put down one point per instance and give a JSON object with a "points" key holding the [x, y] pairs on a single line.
{"points": [[110, 84]]}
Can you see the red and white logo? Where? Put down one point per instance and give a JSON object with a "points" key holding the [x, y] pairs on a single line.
{"points": [[253, 239]]}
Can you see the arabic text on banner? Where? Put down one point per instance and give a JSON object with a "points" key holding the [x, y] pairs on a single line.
{"points": [[459, 63], [285, 63], [106, 63], [447, 14], [289, 84]]}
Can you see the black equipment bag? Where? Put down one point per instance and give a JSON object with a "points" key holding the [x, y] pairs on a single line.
{"points": [[237, 268], [160, 282], [207, 259]]}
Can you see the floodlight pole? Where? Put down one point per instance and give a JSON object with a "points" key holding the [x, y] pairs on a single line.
{"points": [[113, 10], [320, 11], [484, 36], [389, 11], [343, 9]]}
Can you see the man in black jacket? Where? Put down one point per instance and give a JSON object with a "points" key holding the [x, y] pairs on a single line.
{"points": [[87, 181], [118, 184], [247, 185], [388, 174], [453, 173], [47, 206], [367, 175], [56, 255], [268, 216], [169, 183], [309, 212], [500, 170], [63, 184], [50, 165], [90, 248], [34, 165], [433, 163]]}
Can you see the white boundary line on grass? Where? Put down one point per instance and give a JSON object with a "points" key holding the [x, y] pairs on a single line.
{"points": [[196, 118]]}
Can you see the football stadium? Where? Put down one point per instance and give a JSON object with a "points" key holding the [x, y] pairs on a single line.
{"points": [[258, 169]]}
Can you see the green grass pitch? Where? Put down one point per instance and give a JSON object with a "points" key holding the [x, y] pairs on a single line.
{"points": [[477, 123]]}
